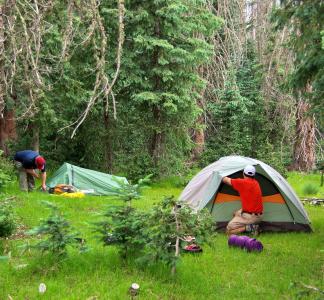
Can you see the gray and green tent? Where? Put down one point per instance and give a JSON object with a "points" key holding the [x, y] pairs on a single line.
{"points": [[283, 211], [95, 182]]}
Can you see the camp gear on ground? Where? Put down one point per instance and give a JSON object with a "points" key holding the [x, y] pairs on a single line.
{"points": [[283, 210], [85, 179], [192, 248], [245, 242], [73, 195], [62, 188]]}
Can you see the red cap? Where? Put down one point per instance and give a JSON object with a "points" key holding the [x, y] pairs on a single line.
{"points": [[40, 162]]}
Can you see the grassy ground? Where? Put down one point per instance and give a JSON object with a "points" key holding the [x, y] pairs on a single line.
{"points": [[217, 273]]}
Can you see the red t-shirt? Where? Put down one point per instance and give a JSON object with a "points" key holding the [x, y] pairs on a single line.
{"points": [[250, 194]]}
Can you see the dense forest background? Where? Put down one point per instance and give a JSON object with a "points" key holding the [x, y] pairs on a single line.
{"points": [[161, 86]]}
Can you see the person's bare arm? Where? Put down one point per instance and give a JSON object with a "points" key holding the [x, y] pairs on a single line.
{"points": [[32, 172], [227, 181], [43, 176]]}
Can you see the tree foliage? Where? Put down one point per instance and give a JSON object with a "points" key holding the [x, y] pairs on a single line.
{"points": [[7, 220], [6, 170], [139, 79], [168, 224], [56, 234], [305, 21]]}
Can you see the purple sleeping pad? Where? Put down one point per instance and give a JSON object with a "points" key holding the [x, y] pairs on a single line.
{"points": [[245, 242]]}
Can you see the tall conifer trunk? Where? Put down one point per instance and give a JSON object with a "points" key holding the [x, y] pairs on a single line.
{"points": [[108, 151], [199, 133], [7, 129], [2, 86], [157, 138], [304, 146], [35, 136], [7, 120]]}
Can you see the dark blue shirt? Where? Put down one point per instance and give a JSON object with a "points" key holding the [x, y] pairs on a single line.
{"points": [[27, 159]]}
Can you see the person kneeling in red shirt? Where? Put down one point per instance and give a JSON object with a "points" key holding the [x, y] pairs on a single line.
{"points": [[246, 218]]}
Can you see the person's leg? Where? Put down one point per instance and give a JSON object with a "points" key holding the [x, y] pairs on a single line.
{"points": [[31, 182], [253, 226], [237, 224], [235, 230], [243, 222], [22, 175]]}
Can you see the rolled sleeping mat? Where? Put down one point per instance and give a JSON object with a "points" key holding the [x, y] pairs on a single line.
{"points": [[245, 242]]}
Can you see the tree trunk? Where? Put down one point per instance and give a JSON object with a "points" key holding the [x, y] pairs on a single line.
{"points": [[7, 129], [199, 134], [304, 146], [35, 137], [108, 153], [157, 137], [7, 116], [2, 62], [2, 86]]}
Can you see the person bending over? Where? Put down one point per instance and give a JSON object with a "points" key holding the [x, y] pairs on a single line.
{"points": [[246, 218], [26, 162]]}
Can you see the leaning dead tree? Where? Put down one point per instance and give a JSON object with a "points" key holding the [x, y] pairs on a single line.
{"points": [[229, 44], [27, 63], [102, 87], [229, 48]]}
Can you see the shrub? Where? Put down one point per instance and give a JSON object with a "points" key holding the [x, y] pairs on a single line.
{"points": [[310, 189], [123, 225], [58, 233], [7, 220], [7, 171], [168, 223]]}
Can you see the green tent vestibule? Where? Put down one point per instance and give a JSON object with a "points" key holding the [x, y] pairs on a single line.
{"points": [[93, 182], [283, 211]]}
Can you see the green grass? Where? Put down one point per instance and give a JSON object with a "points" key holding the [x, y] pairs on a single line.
{"points": [[301, 183], [219, 272]]}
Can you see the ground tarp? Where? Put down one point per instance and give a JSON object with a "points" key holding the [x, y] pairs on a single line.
{"points": [[93, 182]]}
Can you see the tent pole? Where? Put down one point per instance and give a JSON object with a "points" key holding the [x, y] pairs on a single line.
{"points": [[72, 173]]}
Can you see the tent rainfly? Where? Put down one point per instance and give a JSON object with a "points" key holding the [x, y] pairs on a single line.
{"points": [[94, 182], [283, 210]]}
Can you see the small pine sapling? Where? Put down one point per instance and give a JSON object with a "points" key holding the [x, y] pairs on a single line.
{"points": [[127, 191], [123, 225], [6, 171], [7, 220], [168, 224], [57, 234], [7, 224]]}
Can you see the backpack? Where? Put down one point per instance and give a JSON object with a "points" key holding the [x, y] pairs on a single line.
{"points": [[62, 188]]}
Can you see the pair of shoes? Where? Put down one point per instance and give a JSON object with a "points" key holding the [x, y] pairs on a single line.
{"points": [[253, 229], [192, 248]]}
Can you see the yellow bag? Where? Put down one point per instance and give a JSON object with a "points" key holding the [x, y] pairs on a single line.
{"points": [[73, 195]]}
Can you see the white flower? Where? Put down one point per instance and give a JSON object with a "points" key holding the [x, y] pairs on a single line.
{"points": [[42, 288], [135, 286]]}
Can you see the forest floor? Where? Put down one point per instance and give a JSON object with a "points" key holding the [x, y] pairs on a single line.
{"points": [[291, 265]]}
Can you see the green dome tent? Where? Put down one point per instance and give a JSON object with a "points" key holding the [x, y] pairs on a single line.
{"points": [[283, 211], [94, 182]]}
